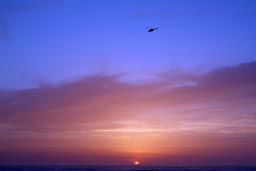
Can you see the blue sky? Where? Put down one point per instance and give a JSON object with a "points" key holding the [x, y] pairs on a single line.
{"points": [[51, 41]]}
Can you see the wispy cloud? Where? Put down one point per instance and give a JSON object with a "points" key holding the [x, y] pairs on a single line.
{"points": [[219, 103], [102, 98]]}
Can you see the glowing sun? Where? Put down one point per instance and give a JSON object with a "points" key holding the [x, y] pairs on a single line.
{"points": [[136, 163]]}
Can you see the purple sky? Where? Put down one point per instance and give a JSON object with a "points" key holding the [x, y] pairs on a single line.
{"points": [[83, 82]]}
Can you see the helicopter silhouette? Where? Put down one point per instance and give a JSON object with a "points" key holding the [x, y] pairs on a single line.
{"points": [[152, 29]]}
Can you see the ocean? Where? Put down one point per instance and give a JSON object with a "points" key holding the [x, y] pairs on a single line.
{"points": [[124, 168]]}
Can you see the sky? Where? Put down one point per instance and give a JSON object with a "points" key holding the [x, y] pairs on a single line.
{"points": [[82, 82]]}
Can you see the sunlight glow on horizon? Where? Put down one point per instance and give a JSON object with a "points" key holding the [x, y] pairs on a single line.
{"points": [[136, 163]]}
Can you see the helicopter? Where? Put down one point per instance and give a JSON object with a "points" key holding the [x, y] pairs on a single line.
{"points": [[152, 29]]}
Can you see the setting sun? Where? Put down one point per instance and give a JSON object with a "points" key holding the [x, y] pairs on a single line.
{"points": [[136, 163]]}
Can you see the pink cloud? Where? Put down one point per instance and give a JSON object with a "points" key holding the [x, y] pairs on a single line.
{"points": [[102, 108]]}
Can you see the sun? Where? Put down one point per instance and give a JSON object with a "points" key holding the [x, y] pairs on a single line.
{"points": [[136, 163]]}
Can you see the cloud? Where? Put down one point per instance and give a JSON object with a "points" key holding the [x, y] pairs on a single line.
{"points": [[101, 108], [100, 98], [223, 82]]}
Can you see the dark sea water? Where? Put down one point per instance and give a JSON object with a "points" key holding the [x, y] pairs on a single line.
{"points": [[123, 168]]}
